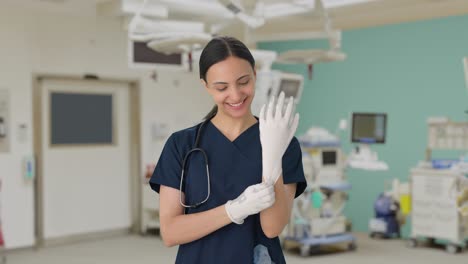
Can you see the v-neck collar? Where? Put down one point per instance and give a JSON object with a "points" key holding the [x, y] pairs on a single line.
{"points": [[245, 132]]}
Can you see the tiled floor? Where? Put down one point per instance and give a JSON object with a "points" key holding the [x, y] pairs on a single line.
{"points": [[150, 250]]}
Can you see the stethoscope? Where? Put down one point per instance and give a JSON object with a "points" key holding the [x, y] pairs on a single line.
{"points": [[196, 148]]}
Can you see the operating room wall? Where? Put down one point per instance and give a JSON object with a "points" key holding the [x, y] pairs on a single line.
{"points": [[411, 71], [49, 43]]}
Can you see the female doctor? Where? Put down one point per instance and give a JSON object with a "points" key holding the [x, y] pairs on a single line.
{"points": [[227, 185]]}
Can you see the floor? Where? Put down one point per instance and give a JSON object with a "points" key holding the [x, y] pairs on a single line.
{"points": [[150, 250]]}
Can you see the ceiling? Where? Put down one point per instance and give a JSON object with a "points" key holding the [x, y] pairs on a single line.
{"points": [[367, 14], [378, 13], [69, 7]]}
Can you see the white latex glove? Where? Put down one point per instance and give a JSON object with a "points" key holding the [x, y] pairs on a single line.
{"points": [[254, 199], [276, 132]]}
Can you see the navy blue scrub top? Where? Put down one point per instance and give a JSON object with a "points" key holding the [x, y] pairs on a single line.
{"points": [[233, 167]]}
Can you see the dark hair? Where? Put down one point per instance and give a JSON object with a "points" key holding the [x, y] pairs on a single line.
{"points": [[219, 49]]}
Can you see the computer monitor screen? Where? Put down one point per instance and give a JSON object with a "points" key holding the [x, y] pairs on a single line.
{"points": [[328, 157], [369, 128], [289, 87]]}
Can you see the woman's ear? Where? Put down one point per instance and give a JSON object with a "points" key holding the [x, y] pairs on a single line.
{"points": [[204, 83]]}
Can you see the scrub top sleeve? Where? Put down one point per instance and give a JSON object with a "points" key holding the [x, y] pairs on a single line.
{"points": [[168, 170], [293, 172]]}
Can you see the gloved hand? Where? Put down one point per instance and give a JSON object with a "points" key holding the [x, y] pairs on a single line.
{"points": [[276, 132], [254, 199]]}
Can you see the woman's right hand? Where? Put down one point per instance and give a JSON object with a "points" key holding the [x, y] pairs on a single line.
{"points": [[254, 199]]}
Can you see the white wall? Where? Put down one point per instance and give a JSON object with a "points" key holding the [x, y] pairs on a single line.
{"points": [[72, 45]]}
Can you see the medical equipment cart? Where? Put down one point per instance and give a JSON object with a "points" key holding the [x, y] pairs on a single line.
{"points": [[385, 223], [439, 194], [317, 218], [390, 210], [312, 231], [435, 209]]}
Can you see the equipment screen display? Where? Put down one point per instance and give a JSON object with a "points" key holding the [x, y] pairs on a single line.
{"points": [[369, 128], [329, 158], [289, 87]]}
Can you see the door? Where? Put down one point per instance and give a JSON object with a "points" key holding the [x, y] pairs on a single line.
{"points": [[84, 184]]}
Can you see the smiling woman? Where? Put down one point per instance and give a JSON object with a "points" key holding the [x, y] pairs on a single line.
{"points": [[231, 83], [227, 184]]}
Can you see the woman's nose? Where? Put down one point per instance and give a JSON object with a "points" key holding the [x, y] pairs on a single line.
{"points": [[236, 94]]}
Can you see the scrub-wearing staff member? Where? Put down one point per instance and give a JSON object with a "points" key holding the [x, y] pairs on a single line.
{"points": [[227, 185]]}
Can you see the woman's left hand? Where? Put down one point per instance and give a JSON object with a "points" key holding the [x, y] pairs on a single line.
{"points": [[276, 132]]}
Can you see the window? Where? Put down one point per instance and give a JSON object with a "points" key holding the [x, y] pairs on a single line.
{"points": [[79, 118]]}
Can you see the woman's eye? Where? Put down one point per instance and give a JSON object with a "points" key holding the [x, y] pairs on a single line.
{"points": [[244, 83], [221, 89]]}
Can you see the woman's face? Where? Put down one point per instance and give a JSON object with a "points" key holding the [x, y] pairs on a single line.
{"points": [[231, 83]]}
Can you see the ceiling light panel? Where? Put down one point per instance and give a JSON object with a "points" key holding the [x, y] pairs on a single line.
{"points": [[338, 3]]}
